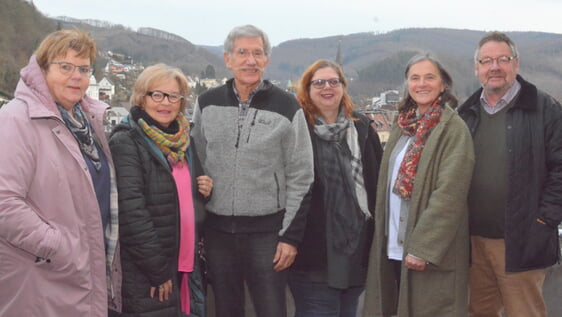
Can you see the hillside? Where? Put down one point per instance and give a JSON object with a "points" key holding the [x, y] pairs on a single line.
{"points": [[373, 62], [376, 61], [23, 28], [151, 46]]}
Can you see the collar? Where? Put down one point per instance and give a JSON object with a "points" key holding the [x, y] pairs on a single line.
{"points": [[260, 87], [505, 100]]}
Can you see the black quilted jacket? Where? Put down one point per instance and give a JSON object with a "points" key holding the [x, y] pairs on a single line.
{"points": [[149, 223]]}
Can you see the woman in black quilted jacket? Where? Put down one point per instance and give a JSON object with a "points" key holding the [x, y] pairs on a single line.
{"points": [[161, 195]]}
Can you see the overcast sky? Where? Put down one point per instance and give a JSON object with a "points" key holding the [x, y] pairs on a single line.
{"points": [[207, 22]]}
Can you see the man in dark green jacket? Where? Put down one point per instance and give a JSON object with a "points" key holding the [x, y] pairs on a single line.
{"points": [[515, 200]]}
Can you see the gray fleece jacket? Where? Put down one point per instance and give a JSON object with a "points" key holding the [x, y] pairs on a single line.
{"points": [[262, 171]]}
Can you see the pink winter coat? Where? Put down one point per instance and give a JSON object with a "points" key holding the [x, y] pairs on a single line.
{"points": [[52, 254]]}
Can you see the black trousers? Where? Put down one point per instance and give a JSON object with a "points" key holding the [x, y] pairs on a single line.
{"points": [[235, 258]]}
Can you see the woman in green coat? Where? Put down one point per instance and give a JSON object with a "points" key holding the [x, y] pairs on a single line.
{"points": [[418, 264]]}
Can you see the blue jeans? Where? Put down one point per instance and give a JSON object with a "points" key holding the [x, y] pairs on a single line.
{"points": [[233, 259], [319, 300]]}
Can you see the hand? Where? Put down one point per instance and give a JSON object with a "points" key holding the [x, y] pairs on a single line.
{"points": [[164, 291], [284, 256], [415, 264], [205, 185]]}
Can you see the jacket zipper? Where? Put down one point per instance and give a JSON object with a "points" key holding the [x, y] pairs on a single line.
{"points": [[278, 189], [252, 125]]}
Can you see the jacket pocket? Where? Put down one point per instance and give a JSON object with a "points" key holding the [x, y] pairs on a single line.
{"points": [[541, 246]]}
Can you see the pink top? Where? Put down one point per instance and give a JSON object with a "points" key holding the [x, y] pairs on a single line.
{"points": [[182, 177]]}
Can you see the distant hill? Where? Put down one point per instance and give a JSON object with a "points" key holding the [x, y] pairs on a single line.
{"points": [[150, 46], [22, 29], [376, 62], [372, 62]]}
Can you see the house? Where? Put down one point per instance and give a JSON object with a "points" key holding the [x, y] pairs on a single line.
{"points": [[381, 122], [209, 82], [104, 90], [113, 116], [387, 100]]}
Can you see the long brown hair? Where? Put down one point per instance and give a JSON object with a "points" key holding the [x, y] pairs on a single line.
{"points": [[303, 91]]}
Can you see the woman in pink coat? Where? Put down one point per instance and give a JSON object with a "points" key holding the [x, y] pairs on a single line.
{"points": [[58, 203]]}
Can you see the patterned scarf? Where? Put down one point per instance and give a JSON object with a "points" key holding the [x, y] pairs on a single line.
{"points": [[336, 132], [173, 146], [420, 127], [82, 131], [341, 175]]}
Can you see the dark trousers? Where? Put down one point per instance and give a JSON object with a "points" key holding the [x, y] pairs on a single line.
{"points": [[397, 268], [233, 259], [314, 299]]}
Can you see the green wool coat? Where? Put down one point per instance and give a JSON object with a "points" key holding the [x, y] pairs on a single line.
{"points": [[436, 231]]}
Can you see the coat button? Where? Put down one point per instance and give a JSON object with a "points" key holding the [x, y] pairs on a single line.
{"points": [[400, 242], [401, 219]]}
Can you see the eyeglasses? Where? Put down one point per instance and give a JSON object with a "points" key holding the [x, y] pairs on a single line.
{"points": [[68, 68], [502, 60], [321, 83], [244, 53], [158, 96]]}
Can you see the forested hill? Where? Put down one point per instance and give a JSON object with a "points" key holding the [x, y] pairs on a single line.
{"points": [[373, 62], [376, 61], [22, 29]]}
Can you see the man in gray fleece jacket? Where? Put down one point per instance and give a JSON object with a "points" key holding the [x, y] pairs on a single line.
{"points": [[253, 140]]}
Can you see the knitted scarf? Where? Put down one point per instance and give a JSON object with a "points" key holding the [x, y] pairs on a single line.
{"points": [[174, 145], [419, 126]]}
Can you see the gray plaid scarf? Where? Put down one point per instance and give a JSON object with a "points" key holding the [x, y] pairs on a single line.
{"points": [[335, 132]]}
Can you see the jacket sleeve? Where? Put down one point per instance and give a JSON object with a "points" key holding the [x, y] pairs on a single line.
{"points": [[198, 135], [375, 143], [20, 222], [446, 209], [299, 175], [138, 236], [551, 198]]}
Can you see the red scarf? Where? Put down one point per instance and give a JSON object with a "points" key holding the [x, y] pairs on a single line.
{"points": [[421, 127]]}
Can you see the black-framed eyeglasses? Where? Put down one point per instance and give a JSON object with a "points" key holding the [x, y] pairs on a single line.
{"points": [[67, 68], [245, 53], [321, 83], [158, 96], [501, 60]]}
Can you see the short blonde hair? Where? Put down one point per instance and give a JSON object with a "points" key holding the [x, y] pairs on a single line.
{"points": [[60, 42], [154, 75]]}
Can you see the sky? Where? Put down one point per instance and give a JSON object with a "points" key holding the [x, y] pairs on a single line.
{"points": [[207, 22]]}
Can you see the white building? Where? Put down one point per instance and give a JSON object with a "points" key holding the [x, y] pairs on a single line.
{"points": [[104, 90], [113, 116]]}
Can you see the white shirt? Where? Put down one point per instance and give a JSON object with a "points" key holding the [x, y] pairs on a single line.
{"points": [[395, 248]]}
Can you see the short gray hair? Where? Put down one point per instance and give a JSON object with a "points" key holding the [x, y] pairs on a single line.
{"points": [[496, 37], [247, 30]]}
